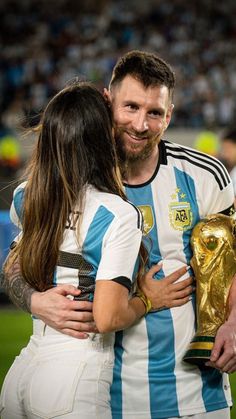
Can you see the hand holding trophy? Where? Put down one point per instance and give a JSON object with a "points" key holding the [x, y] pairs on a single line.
{"points": [[214, 263]]}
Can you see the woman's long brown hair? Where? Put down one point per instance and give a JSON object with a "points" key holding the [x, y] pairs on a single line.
{"points": [[75, 148]]}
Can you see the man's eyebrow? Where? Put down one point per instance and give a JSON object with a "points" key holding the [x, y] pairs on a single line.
{"points": [[130, 102]]}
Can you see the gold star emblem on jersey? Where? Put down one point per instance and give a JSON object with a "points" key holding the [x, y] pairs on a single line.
{"points": [[180, 213], [148, 217]]}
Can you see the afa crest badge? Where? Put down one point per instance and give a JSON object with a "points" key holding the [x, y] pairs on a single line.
{"points": [[180, 213]]}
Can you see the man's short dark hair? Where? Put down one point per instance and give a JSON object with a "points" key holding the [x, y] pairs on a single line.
{"points": [[145, 67]]}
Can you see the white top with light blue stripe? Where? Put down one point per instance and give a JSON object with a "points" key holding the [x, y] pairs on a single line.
{"points": [[110, 236], [150, 379]]}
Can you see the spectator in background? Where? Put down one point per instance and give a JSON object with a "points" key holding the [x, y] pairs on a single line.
{"points": [[10, 163], [10, 158], [228, 153], [207, 142]]}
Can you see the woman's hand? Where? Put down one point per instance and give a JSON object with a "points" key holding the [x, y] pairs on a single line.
{"points": [[166, 292]]}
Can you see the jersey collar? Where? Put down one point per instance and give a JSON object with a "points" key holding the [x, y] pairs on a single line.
{"points": [[161, 160]]}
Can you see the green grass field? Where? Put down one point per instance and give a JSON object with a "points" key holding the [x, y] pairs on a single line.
{"points": [[16, 328]]}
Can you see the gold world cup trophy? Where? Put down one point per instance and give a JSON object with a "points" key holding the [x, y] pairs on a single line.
{"points": [[214, 263]]}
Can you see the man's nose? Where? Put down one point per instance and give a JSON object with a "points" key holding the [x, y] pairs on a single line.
{"points": [[139, 122]]}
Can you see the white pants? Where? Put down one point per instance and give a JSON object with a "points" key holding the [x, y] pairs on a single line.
{"points": [[57, 376], [217, 414]]}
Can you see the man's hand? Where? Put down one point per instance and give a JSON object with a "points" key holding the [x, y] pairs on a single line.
{"points": [[166, 293], [74, 318], [223, 355]]}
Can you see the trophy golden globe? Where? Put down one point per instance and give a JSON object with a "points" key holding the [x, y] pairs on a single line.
{"points": [[214, 263]]}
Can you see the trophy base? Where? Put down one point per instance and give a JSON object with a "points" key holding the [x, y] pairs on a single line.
{"points": [[199, 350]]}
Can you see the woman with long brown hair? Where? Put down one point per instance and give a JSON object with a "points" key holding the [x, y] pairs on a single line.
{"points": [[79, 229]]}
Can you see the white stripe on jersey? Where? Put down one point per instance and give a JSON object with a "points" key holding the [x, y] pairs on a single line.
{"points": [[136, 342], [201, 160], [192, 383]]}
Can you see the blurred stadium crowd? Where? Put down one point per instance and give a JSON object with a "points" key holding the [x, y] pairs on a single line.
{"points": [[46, 43]]}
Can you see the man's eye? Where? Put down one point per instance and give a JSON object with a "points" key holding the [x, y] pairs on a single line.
{"points": [[132, 107], [155, 114]]}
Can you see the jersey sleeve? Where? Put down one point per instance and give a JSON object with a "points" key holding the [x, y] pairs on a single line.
{"points": [[216, 199], [16, 210], [120, 249]]}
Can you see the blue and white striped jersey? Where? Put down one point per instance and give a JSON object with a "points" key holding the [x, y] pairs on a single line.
{"points": [[107, 248], [150, 379]]}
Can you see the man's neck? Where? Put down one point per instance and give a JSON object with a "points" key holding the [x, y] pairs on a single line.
{"points": [[139, 172]]}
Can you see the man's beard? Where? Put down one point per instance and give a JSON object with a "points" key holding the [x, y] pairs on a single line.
{"points": [[127, 156]]}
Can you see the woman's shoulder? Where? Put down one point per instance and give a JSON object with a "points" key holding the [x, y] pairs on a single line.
{"points": [[114, 204], [20, 187]]}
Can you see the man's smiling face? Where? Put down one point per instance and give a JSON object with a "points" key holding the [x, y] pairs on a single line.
{"points": [[141, 114]]}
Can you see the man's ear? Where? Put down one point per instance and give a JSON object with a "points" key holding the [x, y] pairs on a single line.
{"points": [[169, 114], [107, 94]]}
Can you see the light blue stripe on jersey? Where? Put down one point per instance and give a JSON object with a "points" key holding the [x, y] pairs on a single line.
{"points": [[186, 183], [116, 388], [161, 350], [143, 196], [211, 380], [18, 202], [212, 391], [92, 246], [159, 347]]}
